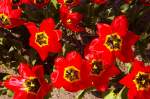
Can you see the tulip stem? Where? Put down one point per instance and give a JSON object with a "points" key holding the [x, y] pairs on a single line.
{"points": [[81, 94]]}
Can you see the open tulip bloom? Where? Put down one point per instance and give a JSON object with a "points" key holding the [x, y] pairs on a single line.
{"points": [[71, 20], [70, 73], [78, 45], [30, 84], [113, 41], [44, 39], [9, 17], [138, 81], [99, 73]]}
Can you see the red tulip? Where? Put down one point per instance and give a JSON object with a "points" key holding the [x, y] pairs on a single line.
{"points": [[45, 39], [114, 41], [70, 73], [138, 81], [71, 20], [9, 17], [30, 84], [99, 73]]}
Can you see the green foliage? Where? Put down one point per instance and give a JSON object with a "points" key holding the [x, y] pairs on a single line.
{"points": [[14, 43]]}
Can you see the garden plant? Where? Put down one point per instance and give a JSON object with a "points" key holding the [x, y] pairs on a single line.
{"points": [[80, 46]]}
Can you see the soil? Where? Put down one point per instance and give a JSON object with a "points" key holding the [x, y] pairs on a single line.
{"points": [[59, 94]]}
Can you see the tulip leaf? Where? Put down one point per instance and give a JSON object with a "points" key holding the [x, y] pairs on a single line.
{"points": [[111, 95], [124, 67], [48, 96], [55, 3], [1, 40], [121, 95], [10, 93], [81, 93]]}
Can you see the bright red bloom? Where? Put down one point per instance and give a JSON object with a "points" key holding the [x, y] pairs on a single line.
{"points": [[100, 1], [138, 81], [19, 2], [126, 54], [71, 20], [145, 2], [45, 39], [114, 41], [70, 73], [40, 3], [30, 84], [1, 83], [64, 10], [9, 17], [69, 3], [128, 1], [99, 73]]}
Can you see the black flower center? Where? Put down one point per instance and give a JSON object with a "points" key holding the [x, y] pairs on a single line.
{"points": [[147, 1], [39, 1], [97, 67], [142, 81], [71, 74], [41, 39], [113, 42], [69, 1], [15, 1], [4, 19], [32, 85]]}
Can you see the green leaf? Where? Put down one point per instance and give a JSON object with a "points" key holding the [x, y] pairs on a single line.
{"points": [[124, 93], [124, 67], [62, 90], [0, 92], [10, 93], [33, 62], [124, 8], [55, 3], [65, 49], [121, 95], [1, 40], [81, 93], [111, 95], [48, 96]]}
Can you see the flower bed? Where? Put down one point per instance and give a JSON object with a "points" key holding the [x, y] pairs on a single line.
{"points": [[82, 48]]}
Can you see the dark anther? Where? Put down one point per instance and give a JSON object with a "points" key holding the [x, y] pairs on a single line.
{"points": [[15, 1], [97, 67], [42, 39], [33, 85], [39, 1], [143, 80], [113, 42], [71, 74], [69, 1]]}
